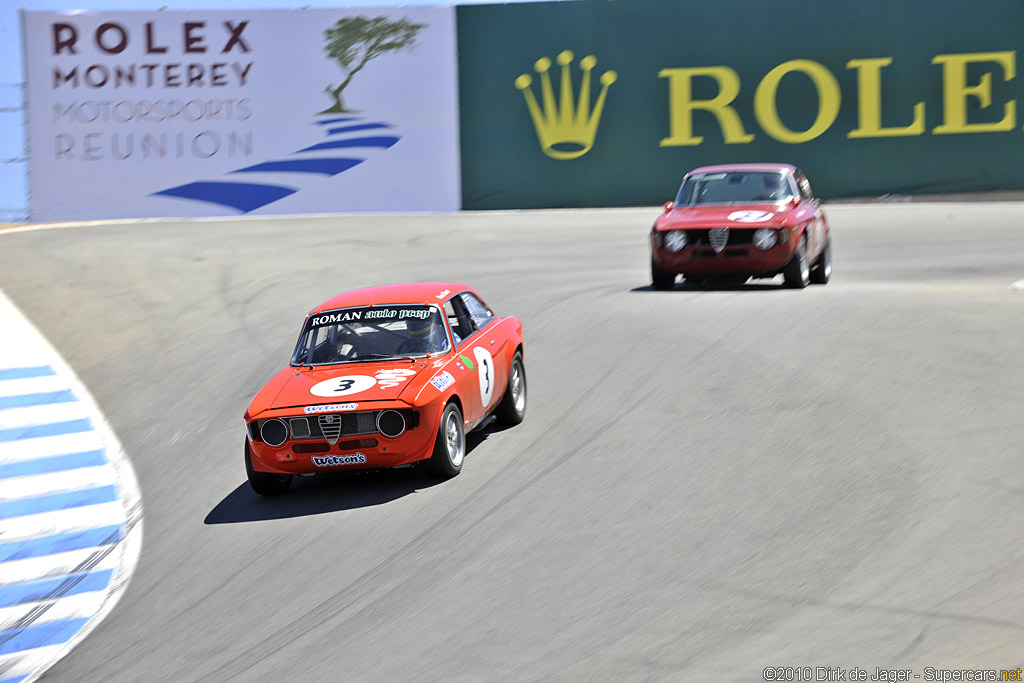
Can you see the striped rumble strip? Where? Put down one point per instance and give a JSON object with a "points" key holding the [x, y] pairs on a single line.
{"points": [[70, 514]]}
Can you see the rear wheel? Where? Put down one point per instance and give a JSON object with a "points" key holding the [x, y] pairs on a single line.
{"points": [[661, 278], [265, 483], [450, 444], [822, 269], [512, 408], [797, 273]]}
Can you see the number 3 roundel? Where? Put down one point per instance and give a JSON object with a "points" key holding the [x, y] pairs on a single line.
{"points": [[485, 373], [342, 386]]}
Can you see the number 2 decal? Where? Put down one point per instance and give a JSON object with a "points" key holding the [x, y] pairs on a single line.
{"points": [[485, 367]]}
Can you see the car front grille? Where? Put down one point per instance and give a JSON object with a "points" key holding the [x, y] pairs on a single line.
{"points": [[728, 252], [737, 237], [334, 426]]}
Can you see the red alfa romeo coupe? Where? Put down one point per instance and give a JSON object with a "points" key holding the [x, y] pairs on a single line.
{"points": [[730, 223], [386, 377]]}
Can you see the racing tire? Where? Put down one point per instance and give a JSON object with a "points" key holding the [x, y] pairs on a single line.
{"points": [[821, 271], [265, 483], [450, 445], [797, 273], [661, 279], [512, 408]]}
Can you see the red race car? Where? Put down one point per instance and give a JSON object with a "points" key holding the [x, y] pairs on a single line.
{"points": [[386, 377], [733, 222]]}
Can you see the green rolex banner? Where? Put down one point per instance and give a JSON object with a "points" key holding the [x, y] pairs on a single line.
{"points": [[610, 102]]}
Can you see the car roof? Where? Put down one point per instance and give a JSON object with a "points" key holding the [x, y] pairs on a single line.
{"points": [[410, 293], [745, 167]]}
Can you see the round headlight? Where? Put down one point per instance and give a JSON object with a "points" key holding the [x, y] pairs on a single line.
{"points": [[675, 240], [274, 432], [765, 238], [390, 423]]}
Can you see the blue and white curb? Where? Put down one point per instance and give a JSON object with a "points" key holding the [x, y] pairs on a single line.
{"points": [[70, 510]]}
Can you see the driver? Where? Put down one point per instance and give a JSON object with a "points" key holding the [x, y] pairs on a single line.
{"points": [[344, 343], [424, 335], [774, 187]]}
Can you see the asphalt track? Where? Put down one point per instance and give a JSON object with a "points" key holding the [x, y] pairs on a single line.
{"points": [[707, 482]]}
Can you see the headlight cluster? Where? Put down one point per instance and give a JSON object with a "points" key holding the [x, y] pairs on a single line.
{"points": [[274, 432], [766, 238], [675, 240]]}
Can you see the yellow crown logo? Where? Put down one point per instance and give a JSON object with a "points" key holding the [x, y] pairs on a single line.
{"points": [[565, 130]]}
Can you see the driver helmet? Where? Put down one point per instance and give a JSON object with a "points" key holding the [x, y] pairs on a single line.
{"points": [[421, 332], [775, 186]]}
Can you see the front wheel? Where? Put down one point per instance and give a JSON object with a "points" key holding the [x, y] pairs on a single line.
{"points": [[265, 483], [797, 273], [450, 444], [822, 269], [660, 278], [512, 408]]}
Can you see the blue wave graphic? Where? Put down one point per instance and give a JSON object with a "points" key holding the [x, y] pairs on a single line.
{"points": [[328, 167], [340, 119], [242, 196], [246, 197], [353, 129], [384, 142]]}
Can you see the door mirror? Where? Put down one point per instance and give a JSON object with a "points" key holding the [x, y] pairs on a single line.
{"points": [[668, 206]]}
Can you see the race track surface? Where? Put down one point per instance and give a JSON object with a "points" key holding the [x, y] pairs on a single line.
{"points": [[707, 482]]}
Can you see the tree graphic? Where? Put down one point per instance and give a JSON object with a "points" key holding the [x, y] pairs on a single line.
{"points": [[354, 41]]}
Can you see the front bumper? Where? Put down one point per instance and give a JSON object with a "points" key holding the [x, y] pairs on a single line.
{"points": [[315, 453], [732, 260]]}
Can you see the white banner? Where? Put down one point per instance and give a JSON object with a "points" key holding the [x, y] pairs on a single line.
{"points": [[224, 113]]}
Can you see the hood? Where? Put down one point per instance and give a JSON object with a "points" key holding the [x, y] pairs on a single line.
{"points": [[754, 215], [350, 383]]}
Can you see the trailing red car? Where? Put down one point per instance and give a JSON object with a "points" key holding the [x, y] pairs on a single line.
{"points": [[739, 221], [386, 377]]}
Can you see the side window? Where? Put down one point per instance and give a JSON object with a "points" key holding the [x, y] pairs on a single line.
{"points": [[805, 187], [321, 349], [478, 311], [460, 323]]}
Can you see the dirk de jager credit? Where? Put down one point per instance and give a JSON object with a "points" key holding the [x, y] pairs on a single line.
{"points": [[835, 673]]}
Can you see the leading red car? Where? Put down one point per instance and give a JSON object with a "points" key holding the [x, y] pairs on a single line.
{"points": [[386, 377], [733, 222]]}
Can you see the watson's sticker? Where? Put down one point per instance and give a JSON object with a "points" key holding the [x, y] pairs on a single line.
{"points": [[331, 408], [335, 460]]}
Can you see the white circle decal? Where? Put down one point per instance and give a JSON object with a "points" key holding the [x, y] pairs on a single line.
{"points": [[342, 386], [485, 373], [750, 216]]}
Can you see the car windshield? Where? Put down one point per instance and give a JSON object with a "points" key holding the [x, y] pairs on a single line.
{"points": [[731, 187], [371, 333]]}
